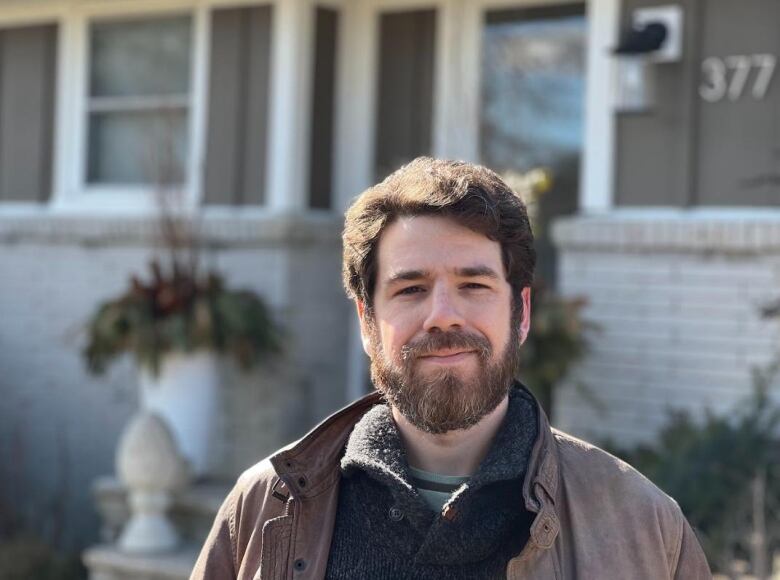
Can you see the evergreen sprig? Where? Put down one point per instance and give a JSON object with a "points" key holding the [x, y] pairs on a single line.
{"points": [[179, 311]]}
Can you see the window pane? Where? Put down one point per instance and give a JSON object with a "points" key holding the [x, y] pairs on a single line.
{"points": [[140, 57], [532, 87], [532, 106], [137, 147]]}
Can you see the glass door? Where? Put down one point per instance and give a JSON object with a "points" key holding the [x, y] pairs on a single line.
{"points": [[532, 101]]}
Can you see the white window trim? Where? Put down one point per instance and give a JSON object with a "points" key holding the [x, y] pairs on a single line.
{"points": [[71, 190]]}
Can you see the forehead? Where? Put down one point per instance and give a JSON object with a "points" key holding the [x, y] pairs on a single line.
{"points": [[433, 243]]}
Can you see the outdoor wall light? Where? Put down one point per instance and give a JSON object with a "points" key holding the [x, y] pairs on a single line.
{"points": [[654, 37]]}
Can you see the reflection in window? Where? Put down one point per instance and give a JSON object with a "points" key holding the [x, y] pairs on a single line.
{"points": [[532, 87], [139, 98], [532, 106]]}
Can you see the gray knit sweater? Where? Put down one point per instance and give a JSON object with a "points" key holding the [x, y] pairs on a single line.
{"points": [[385, 530]]}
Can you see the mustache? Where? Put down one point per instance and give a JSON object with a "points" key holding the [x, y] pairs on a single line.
{"points": [[434, 342]]}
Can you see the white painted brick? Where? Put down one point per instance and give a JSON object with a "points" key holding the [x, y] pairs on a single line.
{"points": [[677, 329]]}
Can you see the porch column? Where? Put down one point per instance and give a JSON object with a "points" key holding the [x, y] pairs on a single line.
{"points": [[356, 96], [290, 120], [598, 152], [354, 160]]}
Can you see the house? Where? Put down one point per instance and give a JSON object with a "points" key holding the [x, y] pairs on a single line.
{"points": [[271, 115]]}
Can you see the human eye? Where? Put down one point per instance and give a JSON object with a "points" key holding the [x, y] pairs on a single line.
{"points": [[475, 286], [409, 290]]}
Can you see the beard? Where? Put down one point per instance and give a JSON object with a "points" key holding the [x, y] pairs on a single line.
{"points": [[440, 400]]}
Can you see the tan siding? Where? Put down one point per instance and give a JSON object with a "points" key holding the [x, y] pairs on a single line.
{"points": [[27, 70], [738, 149], [405, 91], [238, 106], [323, 103], [689, 152], [653, 160]]}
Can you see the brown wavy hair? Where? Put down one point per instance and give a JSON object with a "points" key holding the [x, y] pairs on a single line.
{"points": [[469, 194]]}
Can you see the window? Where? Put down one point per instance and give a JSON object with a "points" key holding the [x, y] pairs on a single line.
{"points": [[138, 101], [533, 86], [533, 81]]}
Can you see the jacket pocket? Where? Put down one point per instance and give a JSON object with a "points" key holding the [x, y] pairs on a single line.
{"points": [[275, 549]]}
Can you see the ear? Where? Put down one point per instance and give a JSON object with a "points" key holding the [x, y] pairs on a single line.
{"points": [[364, 334], [525, 322]]}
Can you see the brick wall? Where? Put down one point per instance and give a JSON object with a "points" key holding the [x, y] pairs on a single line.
{"points": [[676, 301], [59, 426]]}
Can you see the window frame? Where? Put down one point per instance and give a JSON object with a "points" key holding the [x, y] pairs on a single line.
{"points": [[71, 193], [139, 103], [73, 190]]}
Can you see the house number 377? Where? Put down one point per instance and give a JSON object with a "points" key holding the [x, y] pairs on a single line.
{"points": [[729, 77]]}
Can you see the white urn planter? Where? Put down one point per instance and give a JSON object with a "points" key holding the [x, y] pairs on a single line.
{"points": [[185, 395]]}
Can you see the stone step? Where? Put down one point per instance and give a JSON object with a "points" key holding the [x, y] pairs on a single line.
{"points": [[106, 562], [192, 512]]}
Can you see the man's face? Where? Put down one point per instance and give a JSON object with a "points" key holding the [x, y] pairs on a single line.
{"points": [[442, 337]]}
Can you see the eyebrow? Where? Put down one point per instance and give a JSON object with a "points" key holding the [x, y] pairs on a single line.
{"points": [[477, 271], [467, 272], [408, 276]]}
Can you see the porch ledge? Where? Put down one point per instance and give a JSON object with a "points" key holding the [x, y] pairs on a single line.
{"points": [[738, 235], [216, 231], [106, 562]]}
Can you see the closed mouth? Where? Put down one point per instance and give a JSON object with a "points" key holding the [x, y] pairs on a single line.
{"points": [[447, 355]]}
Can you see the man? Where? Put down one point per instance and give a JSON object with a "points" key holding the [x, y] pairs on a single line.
{"points": [[449, 470]]}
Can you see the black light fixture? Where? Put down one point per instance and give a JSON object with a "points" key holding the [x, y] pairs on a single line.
{"points": [[644, 39], [654, 37]]}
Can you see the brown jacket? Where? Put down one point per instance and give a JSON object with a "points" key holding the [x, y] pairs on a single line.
{"points": [[597, 518]]}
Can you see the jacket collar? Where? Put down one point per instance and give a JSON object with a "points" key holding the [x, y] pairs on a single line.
{"points": [[311, 464]]}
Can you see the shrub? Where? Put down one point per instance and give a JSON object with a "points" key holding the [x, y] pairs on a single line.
{"points": [[709, 467], [28, 558]]}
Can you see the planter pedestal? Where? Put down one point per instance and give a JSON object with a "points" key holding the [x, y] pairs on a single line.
{"points": [[149, 464]]}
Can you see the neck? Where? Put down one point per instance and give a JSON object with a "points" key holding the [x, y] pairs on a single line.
{"points": [[454, 452]]}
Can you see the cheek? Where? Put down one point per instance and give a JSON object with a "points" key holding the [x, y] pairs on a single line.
{"points": [[496, 328], [393, 337]]}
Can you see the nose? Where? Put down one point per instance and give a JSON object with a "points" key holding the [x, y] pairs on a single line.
{"points": [[443, 313]]}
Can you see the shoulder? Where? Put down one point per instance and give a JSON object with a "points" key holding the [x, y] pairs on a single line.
{"points": [[590, 473], [252, 496], [236, 522], [257, 477], [599, 491]]}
